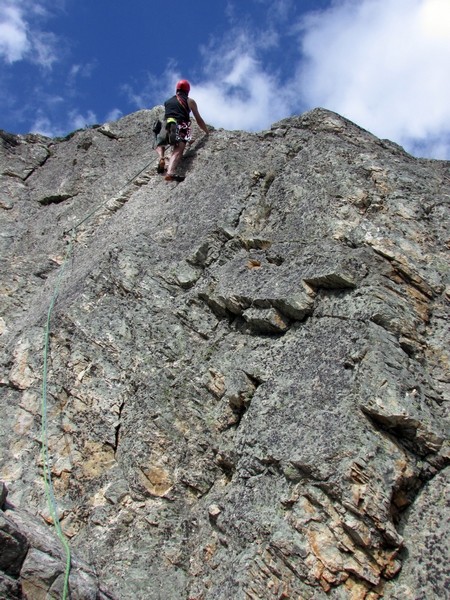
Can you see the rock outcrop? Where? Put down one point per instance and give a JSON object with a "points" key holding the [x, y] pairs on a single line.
{"points": [[248, 376]]}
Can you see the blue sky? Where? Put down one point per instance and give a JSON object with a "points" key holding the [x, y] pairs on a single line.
{"points": [[384, 64]]}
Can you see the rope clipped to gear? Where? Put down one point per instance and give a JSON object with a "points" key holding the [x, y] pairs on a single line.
{"points": [[51, 501]]}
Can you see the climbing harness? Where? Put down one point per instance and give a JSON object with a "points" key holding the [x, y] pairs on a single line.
{"points": [[184, 132], [178, 132]]}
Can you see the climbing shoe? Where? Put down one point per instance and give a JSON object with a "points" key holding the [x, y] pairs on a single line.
{"points": [[174, 178], [161, 166]]}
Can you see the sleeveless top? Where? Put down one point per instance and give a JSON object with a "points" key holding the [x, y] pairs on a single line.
{"points": [[177, 108]]}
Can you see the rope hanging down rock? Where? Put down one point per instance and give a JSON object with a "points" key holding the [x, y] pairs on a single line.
{"points": [[51, 501]]}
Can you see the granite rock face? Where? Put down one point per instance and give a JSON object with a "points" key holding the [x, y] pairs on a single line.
{"points": [[248, 376]]}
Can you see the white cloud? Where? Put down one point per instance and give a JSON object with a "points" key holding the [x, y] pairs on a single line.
{"points": [[78, 121], [385, 65], [43, 125], [21, 37], [156, 88], [113, 115], [236, 91], [14, 42], [381, 63], [46, 124], [437, 147], [44, 48], [434, 19], [82, 70]]}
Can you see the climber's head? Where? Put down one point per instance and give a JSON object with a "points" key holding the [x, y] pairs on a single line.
{"points": [[184, 86]]}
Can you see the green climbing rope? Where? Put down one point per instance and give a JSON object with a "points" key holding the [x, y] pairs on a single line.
{"points": [[51, 502]]}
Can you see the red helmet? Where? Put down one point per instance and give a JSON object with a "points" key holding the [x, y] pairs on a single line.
{"points": [[184, 85]]}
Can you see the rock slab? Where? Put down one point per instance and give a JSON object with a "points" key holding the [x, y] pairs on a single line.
{"points": [[248, 377]]}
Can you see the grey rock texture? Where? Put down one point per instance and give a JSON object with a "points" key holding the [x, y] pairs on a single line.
{"points": [[32, 563], [248, 375]]}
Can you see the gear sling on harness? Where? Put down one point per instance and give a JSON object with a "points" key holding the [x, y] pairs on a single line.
{"points": [[178, 132]]}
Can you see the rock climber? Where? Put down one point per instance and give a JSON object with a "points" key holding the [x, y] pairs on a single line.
{"points": [[177, 131]]}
